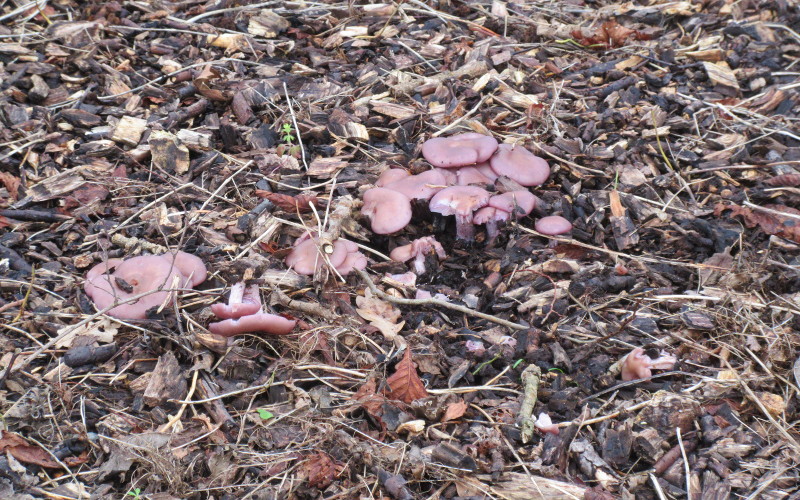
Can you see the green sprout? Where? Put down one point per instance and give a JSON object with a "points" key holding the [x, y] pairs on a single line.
{"points": [[136, 493], [288, 136]]}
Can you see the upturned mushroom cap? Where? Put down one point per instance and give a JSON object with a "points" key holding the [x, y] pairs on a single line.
{"points": [[421, 186], [391, 175], [253, 323], [417, 250], [243, 301], [520, 165], [190, 266], [545, 424], [460, 201], [553, 224], [118, 281], [637, 364], [306, 257], [459, 150], [520, 203], [389, 211]]}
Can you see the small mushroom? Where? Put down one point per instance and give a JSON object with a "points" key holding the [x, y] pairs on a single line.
{"points": [[545, 424], [153, 276], [521, 203], [244, 314], [306, 257], [491, 217], [460, 201], [421, 186], [459, 150], [553, 225], [389, 211], [417, 250], [471, 175], [520, 165], [638, 365]]}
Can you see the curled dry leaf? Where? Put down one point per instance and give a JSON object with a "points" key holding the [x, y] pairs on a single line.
{"points": [[771, 222], [405, 385], [608, 35], [201, 82], [785, 180], [294, 204], [12, 184], [380, 314]]}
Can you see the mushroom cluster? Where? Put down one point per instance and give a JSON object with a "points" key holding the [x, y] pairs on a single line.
{"points": [[141, 283], [464, 166], [244, 314]]}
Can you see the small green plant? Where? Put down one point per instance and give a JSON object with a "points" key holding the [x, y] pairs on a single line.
{"points": [[135, 493], [264, 414], [288, 136]]}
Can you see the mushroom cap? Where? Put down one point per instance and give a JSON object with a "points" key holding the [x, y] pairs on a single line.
{"points": [[459, 150], [521, 203], [490, 214], [486, 169], [253, 323], [553, 224], [388, 210], [459, 200], [354, 260], [391, 175], [520, 165], [471, 175], [637, 364], [143, 274], [421, 186], [449, 175], [243, 302]]}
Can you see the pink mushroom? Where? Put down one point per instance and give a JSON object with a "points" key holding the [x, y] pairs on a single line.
{"points": [[553, 225], [391, 175], [459, 150], [389, 211], [638, 365], [306, 257], [545, 424], [460, 201], [520, 203], [520, 165], [153, 276], [471, 175], [491, 217], [417, 250], [244, 314], [421, 186]]}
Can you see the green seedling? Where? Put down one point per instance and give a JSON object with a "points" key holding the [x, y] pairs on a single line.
{"points": [[135, 493], [288, 135], [264, 414]]}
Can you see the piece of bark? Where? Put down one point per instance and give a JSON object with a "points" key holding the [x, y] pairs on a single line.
{"points": [[556, 447], [344, 125], [450, 455], [167, 152], [723, 77], [518, 486], [624, 231], [80, 118], [89, 355], [215, 407], [129, 130], [167, 381], [39, 89], [617, 445], [472, 69], [649, 445], [195, 140]]}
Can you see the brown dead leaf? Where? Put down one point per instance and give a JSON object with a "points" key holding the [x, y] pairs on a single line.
{"points": [[405, 385], [380, 314], [455, 410], [608, 35], [20, 449], [300, 203], [202, 80], [770, 222], [785, 180], [320, 470], [85, 195], [11, 183]]}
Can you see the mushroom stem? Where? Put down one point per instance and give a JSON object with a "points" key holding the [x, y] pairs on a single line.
{"points": [[464, 228], [419, 264], [237, 293], [491, 229]]}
